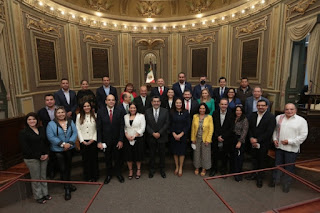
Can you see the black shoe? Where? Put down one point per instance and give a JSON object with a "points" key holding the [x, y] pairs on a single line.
{"points": [[259, 183], [120, 178], [251, 177], [150, 174], [107, 180], [67, 195], [212, 173], [73, 188], [163, 174], [285, 188]]}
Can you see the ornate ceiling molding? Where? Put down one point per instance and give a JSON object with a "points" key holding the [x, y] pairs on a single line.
{"points": [[43, 26], [200, 38], [252, 27], [100, 5], [149, 8], [150, 43], [197, 6], [97, 38], [300, 8]]}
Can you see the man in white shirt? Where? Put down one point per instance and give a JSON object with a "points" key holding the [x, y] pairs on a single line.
{"points": [[220, 92], [290, 132], [126, 97], [181, 85]]}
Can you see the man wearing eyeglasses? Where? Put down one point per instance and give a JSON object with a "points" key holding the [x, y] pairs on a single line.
{"points": [[261, 126]]}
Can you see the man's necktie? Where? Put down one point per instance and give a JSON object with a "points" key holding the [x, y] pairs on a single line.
{"points": [[110, 115], [188, 106], [127, 108], [221, 94], [156, 116], [161, 91]]}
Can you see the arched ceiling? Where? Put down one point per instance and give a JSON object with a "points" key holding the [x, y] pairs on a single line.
{"points": [[127, 9]]}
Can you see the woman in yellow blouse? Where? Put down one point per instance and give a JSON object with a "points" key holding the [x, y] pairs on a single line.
{"points": [[201, 137]]}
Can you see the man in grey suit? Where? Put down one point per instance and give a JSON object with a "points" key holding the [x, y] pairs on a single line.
{"points": [[157, 119], [251, 102]]}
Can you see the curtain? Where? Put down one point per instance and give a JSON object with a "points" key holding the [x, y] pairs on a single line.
{"points": [[301, 30]]}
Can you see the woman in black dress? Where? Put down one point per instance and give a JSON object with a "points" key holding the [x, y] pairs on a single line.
{"points": [[135, 125], [180, 126], [35, 149]]}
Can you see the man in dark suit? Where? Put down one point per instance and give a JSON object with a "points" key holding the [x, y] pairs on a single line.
{"points": [[197, 89], [251, 102], [110, 133], [143, 101], [157, 119], [126, 97], [220, 92], [160, 91], [261, 127], [181, 85], [223, 120], [103, 91], [67, 98], [46, 114], [190, 104]]}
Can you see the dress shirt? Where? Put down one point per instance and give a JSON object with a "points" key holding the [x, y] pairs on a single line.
{"points": [[221, 91], [254, 107], [106, 89], [143, 100], [182, 86], [51, 112], [67, 95], [293, 129], [222, 116], [259, 117], [202, 87], [160, 89], [87, 130], [126, 107], [156, 114], [109, 110], [170, 103]]}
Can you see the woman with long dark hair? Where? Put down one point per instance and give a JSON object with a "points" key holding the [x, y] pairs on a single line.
{"points": [[62, 134], [240, 129], [85, 94], [35, 149], [201, 137], [232, 100], [135, 125], [87, 134], [180, 126], [129, 89]]}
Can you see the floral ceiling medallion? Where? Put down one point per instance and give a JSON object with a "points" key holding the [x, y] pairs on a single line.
{"points": [[198, 6], [149, 8], [100, 5]]}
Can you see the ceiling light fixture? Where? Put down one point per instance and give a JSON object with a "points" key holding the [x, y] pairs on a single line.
{"points": [[174, 26], [84, 19], [62, 12], [115, 25], [222, 18], [135, 27], [164, 27], [199, 15], [263, 1], [104, 24], [94, 22], [233, 15], [51, 8], [212, 20], [204, 22], [193, 24], [73, 16], [143, 27], [149, 20], [40, 3], [154, 27], [252, 7], [183, 26], [243, 11]]}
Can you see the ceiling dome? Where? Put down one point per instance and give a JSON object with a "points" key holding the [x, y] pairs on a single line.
{"points": [[161, 10]]}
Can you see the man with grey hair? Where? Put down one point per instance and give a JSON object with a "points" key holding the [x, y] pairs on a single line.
{"points": [[290, 132]]}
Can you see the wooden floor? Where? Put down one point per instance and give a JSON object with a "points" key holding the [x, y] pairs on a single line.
{"points": [[13, 172]]}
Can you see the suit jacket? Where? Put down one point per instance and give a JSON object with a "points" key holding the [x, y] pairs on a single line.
{"points": [[161, 126], [249, 105], [107, 132], [194, 108], [217, 97], [44, 117], [62, 101], [139, 104], [163, 97], [138, 124], [177, 90], [197, 91], [101, 96], [263, 132], [226, 130]]}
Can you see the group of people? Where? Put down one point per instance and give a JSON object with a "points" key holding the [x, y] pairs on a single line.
{"points": [[215, 123]]}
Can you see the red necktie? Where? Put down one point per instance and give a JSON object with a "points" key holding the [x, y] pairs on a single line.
{"points": [[110, 115], [161, 91]]}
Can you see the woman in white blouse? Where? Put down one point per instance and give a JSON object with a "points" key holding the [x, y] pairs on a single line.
{"points": [[134, 128], [87, 134]]}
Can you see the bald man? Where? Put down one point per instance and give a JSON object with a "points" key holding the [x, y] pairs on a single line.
{"points": [[291, 131], [143, 101]]}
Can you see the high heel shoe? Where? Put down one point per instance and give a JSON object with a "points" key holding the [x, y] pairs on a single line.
{"points": [[138, 176], [203, 172], [67, 195], [130, 176]]}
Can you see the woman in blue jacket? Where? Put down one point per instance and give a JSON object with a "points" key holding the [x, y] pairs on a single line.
{"points": [[62, 134]]}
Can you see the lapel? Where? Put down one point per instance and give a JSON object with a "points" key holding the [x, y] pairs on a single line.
{"points": [[64, 97], [262, 119]]}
